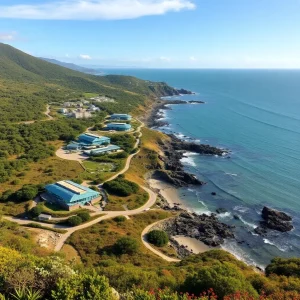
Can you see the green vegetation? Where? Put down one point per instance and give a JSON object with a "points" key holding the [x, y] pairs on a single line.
{"points": [[75, 221], [36, 225], [35, 211], [121, 187], [158, 238], [125, 141], [126, 245], [84, 215]]}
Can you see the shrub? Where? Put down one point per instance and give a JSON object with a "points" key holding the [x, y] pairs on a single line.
{"points": [[85, 216], [121, 187], [158, 238], [74, 221], [120, 219], [284, 266], [126, 245], [35, 211], [27, 192]]}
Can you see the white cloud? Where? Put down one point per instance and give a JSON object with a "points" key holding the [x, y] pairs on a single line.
{"points": [[85, 56], [7, 37], [94, 9], [193, 58], [164, 58]]}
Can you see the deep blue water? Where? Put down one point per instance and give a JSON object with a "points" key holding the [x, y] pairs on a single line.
{"points": [[255, 114]]}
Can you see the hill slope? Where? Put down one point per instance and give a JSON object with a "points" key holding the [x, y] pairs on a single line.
{"points": [[28, 83], [69, 66]]}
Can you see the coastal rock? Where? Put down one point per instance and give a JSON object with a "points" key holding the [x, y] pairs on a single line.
{"points": [[178, 179], [274, 219], [221, 210], [184, 92], [207, 229], [203, 149]]}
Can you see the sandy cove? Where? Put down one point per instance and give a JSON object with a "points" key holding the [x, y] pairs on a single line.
{"points": [[171, 195]]}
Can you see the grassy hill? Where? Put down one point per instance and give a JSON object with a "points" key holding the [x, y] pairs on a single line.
{"points": [[28, 83], [70, 66]]}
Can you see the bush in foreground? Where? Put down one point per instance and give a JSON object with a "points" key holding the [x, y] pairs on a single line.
{"points": [[126, 245], [74, 221], [85, 216], [158, 238]]}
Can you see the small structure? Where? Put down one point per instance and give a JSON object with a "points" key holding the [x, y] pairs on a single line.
{"points": [[44, 217], [62, 110], [73, 146], [70, 195], [89, 139], [105, 150], [118, 126], [123, 117], [80, 114], [93, 108]]}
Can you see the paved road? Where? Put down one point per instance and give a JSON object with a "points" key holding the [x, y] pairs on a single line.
{"points": [[147, 245]]}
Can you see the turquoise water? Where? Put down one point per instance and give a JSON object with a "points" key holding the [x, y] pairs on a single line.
{"points": [[255, 114]]}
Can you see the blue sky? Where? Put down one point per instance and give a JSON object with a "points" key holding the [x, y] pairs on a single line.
{"points": [[157, 33]]}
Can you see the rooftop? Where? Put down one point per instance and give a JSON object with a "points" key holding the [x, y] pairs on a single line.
{"points": [[70, 186]]}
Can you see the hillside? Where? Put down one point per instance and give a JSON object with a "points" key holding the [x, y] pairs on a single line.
{"points": [[70, 66]]}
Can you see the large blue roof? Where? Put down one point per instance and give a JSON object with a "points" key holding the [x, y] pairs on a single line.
{"points": [[69, 195], [90, 138]]}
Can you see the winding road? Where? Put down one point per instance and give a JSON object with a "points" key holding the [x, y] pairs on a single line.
{"points": [[107, 214]]}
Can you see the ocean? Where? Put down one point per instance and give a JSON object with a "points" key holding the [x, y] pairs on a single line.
{"points": [[256, 115]]}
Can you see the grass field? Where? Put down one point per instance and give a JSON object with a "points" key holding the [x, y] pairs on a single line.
{"points": [[92, 166], [94, 244], [137, 200], [57, 211], [47, 170]]}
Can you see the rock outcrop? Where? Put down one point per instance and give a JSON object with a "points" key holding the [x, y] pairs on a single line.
{"points": [[274, 219], [207, 229]]}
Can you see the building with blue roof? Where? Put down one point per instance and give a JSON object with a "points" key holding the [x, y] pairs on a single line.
{"points": [[118, 126], [92, 139], [70, 195], [105, 150], [124, 117]]}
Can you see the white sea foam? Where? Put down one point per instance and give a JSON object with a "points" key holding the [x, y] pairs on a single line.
{"points": [[281, 248], [241, 209], [225, 215], [234, 249], [248, 223], [188, 159], [231, 174]]}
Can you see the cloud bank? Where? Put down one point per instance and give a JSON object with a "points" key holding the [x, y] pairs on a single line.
{"points": [[85, 56], [94, 9], [7, 37]]}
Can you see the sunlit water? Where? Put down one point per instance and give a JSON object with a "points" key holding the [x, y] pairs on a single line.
{"points": [[255, 114]]}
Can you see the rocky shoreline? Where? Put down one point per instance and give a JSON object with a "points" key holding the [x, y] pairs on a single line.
{"points": [[154, 121], [205, 228], [274, 220], [174, 151], [175, 148]]}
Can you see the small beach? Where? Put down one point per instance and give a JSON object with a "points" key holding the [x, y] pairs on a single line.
{"points": [[193, 245], [167, 191]]}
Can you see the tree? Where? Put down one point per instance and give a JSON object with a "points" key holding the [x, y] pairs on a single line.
{"points": [[284, 266], [36, 211], [85, 216], [27, 192], [74, 221], [158, 238], [126, 245]]}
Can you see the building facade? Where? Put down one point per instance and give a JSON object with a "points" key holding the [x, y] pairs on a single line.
{"points": [[93, 140], [118, 126], [123, 117]]}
